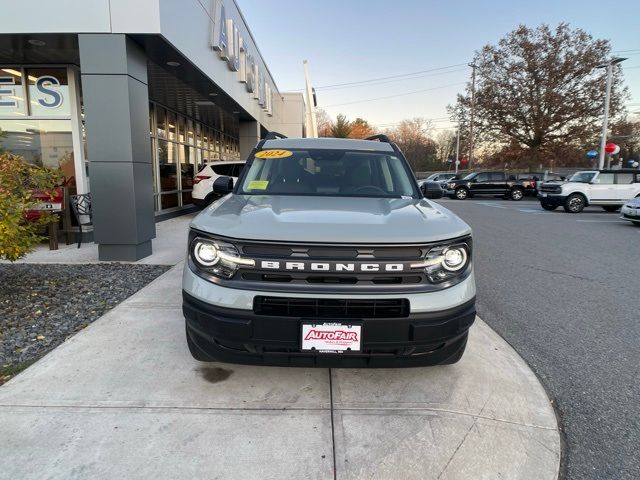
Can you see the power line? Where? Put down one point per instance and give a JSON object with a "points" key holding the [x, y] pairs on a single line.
{"points": [[397, 95], [322, 87], [395, 80]]}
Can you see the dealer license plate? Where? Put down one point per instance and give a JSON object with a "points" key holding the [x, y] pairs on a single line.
{"points": [[543, 194], [331, 337]]}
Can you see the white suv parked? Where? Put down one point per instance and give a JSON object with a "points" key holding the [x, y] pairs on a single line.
{"points": [[609, 189], [203, 182]]}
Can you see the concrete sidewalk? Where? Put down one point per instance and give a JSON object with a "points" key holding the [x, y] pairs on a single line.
{"points": [[124, 399], [169, 247]]}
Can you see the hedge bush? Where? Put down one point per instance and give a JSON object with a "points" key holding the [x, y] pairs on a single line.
{"points": [[19, 181]]}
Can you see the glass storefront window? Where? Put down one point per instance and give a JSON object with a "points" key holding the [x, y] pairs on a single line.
{"points": [[168, 200], [167, 165], [171, 125], [181, 146], [48, 92], [161, 122], [40, 142], [11, 93], [181, 133], [190, 132]]}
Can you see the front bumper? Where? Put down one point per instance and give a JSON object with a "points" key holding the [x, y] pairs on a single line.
{"points": [[555, 199], [630, 214], [224, 327]]}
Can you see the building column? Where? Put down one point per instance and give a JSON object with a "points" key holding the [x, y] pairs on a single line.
{"points": [[249, 136], [116, 102]]}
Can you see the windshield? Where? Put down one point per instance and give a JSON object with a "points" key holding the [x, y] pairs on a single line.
{"points": [[321, 172], [582, 177], [470, 176]]}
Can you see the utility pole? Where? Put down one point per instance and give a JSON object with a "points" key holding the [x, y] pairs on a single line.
{"points": [[473, 106], [312, 126], [603, 139], [458, 149]]}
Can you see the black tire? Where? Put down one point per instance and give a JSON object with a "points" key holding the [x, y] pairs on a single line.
{"points": [[196, 353], [461, 193], [455, 358], [575, 203], [516, 194], [548, 206], [637, 224], [611, 208]]}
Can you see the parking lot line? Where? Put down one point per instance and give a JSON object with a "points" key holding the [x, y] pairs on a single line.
{"points": [[601, 221]]}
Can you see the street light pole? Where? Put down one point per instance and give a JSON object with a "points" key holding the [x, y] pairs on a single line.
{"points": [[312, 126], [603, 139], [458, 149], [473, 106]]}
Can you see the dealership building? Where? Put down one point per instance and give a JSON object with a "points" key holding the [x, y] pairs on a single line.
{"points": [[130, 97]]}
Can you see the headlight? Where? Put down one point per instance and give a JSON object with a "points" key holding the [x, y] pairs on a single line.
{"points": [[455, 258], [216, 257], [205, 253], [451, 185], [445, 262]]}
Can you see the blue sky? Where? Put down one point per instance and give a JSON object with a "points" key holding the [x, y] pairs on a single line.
{"points": [[348, 41]]}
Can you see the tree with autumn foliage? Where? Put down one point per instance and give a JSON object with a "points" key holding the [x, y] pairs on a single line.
{"points": [[360, 129], [626, 134], [413, 137], [323, 121], [539, 92]]}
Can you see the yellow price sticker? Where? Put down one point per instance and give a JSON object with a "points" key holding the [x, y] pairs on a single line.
{"points": [[258, 184], [274, 153]]}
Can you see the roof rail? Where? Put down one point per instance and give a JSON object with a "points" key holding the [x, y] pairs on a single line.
{"points": [[379, 137], [273, 136]]}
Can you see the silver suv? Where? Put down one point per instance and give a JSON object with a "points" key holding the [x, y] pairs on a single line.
{"points": [[325, 253]]}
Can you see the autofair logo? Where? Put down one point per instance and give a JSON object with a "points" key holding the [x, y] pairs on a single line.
{"points": [[332, 266], [339, 335]]}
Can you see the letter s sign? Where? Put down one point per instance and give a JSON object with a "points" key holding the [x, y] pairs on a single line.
{"points": [[54, 97]]}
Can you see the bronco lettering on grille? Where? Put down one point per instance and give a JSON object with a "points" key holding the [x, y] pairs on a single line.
{"points": [[332, 266]]}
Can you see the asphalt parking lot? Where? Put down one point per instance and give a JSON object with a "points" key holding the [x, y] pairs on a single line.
{"points": [[563, 290]]}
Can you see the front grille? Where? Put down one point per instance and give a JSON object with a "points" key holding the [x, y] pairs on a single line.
{"points": [[338, 279], [551, 188], [302, 251], [331, 308]]}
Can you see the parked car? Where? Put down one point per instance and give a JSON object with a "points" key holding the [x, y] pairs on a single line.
{"points": [[631, 211], [609, 189], [202, 193], [325, 253], [489, 183], [538, 178]]}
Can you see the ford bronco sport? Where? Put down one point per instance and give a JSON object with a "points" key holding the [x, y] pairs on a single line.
{"points": [[325, 253]]}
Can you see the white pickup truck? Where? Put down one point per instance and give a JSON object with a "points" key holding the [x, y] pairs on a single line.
{"points": [[609, 189]]}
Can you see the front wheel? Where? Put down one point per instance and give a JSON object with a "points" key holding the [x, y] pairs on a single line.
{"points": [[517, 194], [548, 206], [461, 193], [611, 208], [574, 203]]}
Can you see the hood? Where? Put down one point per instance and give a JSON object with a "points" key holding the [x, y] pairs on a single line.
{"points": [[634, 202], [329, 219]]}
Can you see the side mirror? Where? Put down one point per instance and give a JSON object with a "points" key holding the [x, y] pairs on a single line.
{"points": [[431, 190], [223, 185]]}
